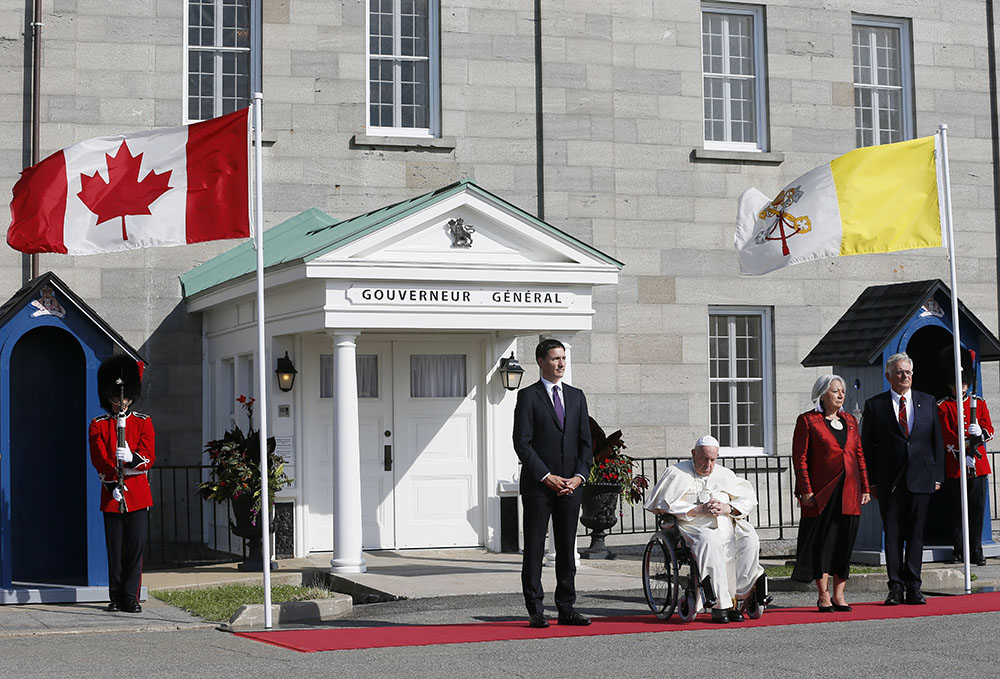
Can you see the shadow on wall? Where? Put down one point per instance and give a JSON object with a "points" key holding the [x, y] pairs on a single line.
{"points": [[172, 387]]}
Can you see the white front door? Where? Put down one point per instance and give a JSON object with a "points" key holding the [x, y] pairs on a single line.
{"points": [[438, 488], [419, 437]]}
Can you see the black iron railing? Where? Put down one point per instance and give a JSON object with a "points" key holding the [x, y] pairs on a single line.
{"points": [[183, 528], [771, 476]]}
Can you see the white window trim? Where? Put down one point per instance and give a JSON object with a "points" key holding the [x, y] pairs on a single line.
{"points": [[767, 387], [760, 89], [218, 63], [905, 66], [433, 77]]}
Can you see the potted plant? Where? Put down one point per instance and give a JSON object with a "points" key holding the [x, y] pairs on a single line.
{"points": [[612, 479], [235, 478]]}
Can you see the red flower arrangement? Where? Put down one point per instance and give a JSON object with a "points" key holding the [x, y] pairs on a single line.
{"points": [[611, 466], [235, 462]]}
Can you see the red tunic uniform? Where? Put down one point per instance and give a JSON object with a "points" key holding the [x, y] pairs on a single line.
{"points": [[948, 414], [820, 462], [103, 444]]}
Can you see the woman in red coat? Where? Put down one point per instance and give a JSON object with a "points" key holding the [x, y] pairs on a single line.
{"points": [[831, 483]]}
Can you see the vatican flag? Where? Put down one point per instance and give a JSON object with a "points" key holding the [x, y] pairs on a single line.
{"points": [[874, 199]]}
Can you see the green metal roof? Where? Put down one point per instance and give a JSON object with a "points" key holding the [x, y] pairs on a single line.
{"points": [[314, 233]]}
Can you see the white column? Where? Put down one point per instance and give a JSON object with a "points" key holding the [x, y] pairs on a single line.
{"points": [[550, 554], [347, 556]]}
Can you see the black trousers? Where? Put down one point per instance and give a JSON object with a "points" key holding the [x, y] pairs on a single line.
{"points": [[565, 513], [903, 517], [976, 492], [125, 537]]}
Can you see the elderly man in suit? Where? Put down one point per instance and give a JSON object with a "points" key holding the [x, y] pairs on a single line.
{"points": [[552, 440], [904, 453]]}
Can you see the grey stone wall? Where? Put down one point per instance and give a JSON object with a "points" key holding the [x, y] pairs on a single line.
{"points": [[621, 107]]}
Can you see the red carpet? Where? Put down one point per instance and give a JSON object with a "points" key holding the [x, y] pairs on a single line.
{"points": [[337, 639]]}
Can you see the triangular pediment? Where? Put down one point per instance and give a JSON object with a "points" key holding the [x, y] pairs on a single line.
{"points": [[468, 227]]}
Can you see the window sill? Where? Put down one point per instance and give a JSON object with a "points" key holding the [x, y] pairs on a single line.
{"points": [[752, 157], [430, 143]]}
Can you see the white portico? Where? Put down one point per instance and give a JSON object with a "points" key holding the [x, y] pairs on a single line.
{"points": [[397, 429]]}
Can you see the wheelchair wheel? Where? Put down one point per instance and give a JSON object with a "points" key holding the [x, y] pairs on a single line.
{"points": [[659, 576], [687, 607], [687, 577]]}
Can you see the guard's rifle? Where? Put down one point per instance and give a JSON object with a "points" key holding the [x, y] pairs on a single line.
{"points": [[972, 442], [120, 428]]}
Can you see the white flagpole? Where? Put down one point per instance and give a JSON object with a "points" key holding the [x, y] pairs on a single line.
{"points": [[957, 349], [265, 504]]}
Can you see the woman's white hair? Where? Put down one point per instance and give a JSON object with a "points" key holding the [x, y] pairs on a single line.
{"points": [[822, 385]]}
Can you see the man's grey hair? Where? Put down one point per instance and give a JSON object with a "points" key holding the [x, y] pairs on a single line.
{"points": [[822, 385], [897, 358]]}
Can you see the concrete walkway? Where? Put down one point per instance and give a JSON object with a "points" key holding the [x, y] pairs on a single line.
{"points": [[410, 574]]}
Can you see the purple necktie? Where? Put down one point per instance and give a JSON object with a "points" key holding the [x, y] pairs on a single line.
{"points": [[557, 403]]}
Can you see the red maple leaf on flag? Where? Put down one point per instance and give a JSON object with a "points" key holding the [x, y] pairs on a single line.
{"points": [[123, 194]]}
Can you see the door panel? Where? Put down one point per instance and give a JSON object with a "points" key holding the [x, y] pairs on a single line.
{"points": [[438, 486]]}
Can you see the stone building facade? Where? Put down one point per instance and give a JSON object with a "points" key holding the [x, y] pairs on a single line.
{"points": [[590, 116]]}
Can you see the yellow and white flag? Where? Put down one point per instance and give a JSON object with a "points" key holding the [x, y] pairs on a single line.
{"points": [[874, 199]]}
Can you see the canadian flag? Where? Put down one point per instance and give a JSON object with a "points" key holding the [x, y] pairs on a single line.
{"points": [[158, 187]]}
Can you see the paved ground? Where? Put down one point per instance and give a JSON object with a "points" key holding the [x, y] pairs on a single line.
{"points": [[441, 576]]}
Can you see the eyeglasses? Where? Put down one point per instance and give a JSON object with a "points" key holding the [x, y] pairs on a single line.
{"points": [[903, 373]]}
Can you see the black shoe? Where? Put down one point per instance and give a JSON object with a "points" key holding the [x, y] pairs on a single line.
{"points": [[575, 619], [734, 615], [720, 616], [953, 559], [538, 621], [842, 608], [915, 597], [824, 609], [981, 561], [113, 607], [132, 606], [895, 597]]}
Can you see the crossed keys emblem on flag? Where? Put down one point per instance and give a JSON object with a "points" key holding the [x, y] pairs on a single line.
{"points": [[785, 224]]}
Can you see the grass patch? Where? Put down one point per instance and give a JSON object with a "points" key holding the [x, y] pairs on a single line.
{"points": [[219, 603], [785, 570]]}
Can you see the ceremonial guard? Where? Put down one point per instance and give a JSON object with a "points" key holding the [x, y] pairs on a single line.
{"points": [[122, 451], [978, 430]]}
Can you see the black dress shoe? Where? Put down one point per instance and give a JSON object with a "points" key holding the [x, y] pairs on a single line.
{"points": [[895, 598], [981, 561], [842, 608], [953, 559], [538, 621], [734, 615], [915, 597], [574, 618], [132, 606], [113, 607], [824, 609], [720, 616]]}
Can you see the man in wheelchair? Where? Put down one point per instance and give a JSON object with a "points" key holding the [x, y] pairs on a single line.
{"points": [[710, 504]]}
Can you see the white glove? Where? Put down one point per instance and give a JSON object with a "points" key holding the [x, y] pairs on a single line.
{"points": [[123, 455], [975, 429], [970, 462], [117, 494]]}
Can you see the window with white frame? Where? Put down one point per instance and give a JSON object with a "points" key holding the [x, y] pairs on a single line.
{"points": [[732, 53], [218, 55], [883, 108], [403, 80], [740, 378]]}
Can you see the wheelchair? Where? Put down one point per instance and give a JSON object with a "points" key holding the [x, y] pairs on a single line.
{"points": [[671, 582]]}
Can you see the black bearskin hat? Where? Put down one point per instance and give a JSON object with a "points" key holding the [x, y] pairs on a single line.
{"points": [[117, 372], [946, 366]]}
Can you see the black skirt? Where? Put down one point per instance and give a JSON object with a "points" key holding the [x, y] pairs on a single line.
{"points": [[826, 541]]}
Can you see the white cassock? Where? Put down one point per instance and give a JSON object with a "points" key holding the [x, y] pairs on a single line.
{"points": [[725, 547]]}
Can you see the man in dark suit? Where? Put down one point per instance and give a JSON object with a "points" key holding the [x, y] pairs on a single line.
{"points": [[904, 453], [552, 440]]}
